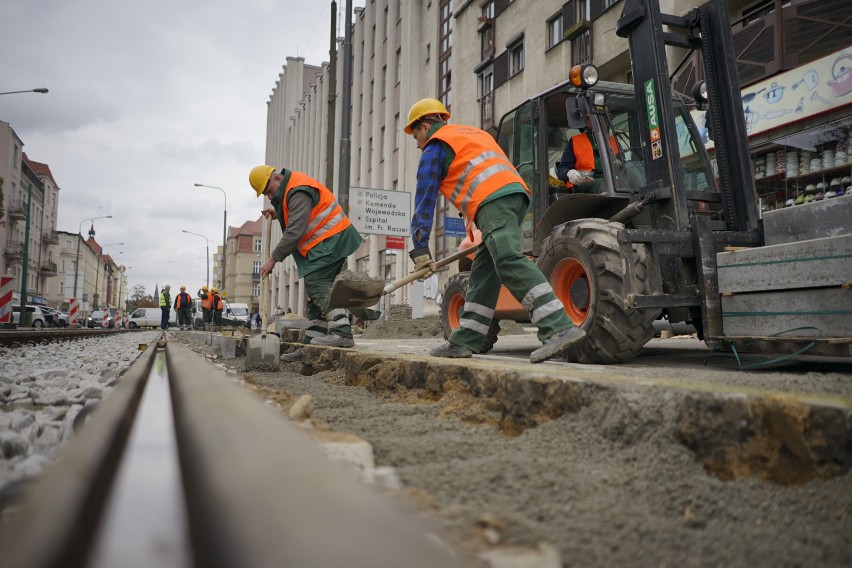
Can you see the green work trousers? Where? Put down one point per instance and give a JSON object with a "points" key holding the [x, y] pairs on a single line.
{"points": [[184, 317], [318, 289], [207, 315], [499, 259]]}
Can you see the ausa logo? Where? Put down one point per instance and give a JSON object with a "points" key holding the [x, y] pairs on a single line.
{"points": [[653, 120]]}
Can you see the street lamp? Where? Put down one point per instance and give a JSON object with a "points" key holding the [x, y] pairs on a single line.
{"points": [[77, 261], [97, 275], [208, 252], [39, 90], [224, 230]]}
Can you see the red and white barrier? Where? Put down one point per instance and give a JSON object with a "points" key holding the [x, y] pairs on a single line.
{"points": [[73, 311], [106, 319], [5, 299]]}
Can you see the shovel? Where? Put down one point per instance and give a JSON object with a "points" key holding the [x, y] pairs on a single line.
{"points": [[263, 350], [359, 290]]}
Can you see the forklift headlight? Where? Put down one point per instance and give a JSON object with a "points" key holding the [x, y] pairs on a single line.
{"points": [[699, 92], [583, 75], [599, 100]]}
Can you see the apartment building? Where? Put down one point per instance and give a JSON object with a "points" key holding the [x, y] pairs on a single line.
{"points": [[243, 263]]}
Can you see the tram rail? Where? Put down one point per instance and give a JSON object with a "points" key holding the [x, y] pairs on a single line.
{"points": [[179, 466], [20, 337]]}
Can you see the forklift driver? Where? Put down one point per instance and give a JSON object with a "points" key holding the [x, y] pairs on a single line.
{"points": [[580, 166]]}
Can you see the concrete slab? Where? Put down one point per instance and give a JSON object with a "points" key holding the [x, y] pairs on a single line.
{"points": [[814, 220]]}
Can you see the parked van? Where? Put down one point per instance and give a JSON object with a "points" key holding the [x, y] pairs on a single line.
{"points": [[236, 311], [149, 317], [233, 315]]}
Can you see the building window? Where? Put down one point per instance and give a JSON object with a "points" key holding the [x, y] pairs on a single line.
{"points": [[554, 30], [255, 268], [445, 52], [257, 245], [581, 47], [516, 59], [255, 290]]}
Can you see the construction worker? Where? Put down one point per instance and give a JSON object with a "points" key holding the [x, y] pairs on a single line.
{"points": [[206, 298], [471, 171], [579, 167], [218, 304], [320, 236], [182, 307], [165, 306]]}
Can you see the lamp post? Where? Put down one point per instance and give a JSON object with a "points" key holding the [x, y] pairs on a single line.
{"points": [[97, 275], [224, 231], [206, 240], [39, 90], [77, 261]]}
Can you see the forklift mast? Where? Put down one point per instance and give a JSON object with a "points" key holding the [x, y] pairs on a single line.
{"points": [[707, 29]]}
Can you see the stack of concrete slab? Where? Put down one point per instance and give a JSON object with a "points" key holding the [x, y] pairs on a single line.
{"points": [[800, 284]]}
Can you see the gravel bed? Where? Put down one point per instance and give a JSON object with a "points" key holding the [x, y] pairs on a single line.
{"points": [[44, 388]]}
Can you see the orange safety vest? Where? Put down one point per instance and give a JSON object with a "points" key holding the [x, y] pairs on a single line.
{"points": [[217, 302], [585, 154], [182, 298], [206, 301], [479, 169], [327, 217]]}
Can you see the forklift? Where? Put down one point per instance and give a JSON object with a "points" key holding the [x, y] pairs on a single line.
{"points": [[660, 235]]}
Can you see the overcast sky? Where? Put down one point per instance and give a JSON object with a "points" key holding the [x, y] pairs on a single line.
{"points": [[147, 98]]}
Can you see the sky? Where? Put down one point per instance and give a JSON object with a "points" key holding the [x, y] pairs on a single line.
{"points": [[147, 99]]}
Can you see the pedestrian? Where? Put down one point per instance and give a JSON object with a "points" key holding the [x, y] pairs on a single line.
{"points": [[470, 170], [206, 298], [182, 307], [217, 305], [165, 307], [319, 236], [255, 320]]}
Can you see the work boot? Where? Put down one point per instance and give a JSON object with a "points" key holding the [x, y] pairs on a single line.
{"points": [[452, 351], [556, 344], [293, 357], [333, 340]]}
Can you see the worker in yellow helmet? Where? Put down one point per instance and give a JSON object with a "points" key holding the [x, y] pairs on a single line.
{"points": [[468, 167], [319, 236], [206, 298], [182, 307], [217, 306]]}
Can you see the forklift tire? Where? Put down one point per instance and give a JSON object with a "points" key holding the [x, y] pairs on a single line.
{"points": [[582, 261], [452, 306]]}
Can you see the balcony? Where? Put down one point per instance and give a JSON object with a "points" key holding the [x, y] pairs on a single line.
{"points": [[14, 250], [50, 238], [48, 268], [17, 210]]}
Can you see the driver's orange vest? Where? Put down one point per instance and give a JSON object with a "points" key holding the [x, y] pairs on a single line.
{"points": [[479, 169], [584, 153], [327, 217]]}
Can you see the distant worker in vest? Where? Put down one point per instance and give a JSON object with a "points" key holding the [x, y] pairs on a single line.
{"points": [[319, 236], [470, 170], [580, 165], [217, 305], [206, 298], [165, 306], [182, 307]]}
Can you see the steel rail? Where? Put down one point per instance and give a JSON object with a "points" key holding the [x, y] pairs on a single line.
{"points": [[243, 488], [35, 336]]}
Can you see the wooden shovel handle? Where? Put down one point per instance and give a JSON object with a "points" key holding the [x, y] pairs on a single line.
{"points": [[415, 275]]}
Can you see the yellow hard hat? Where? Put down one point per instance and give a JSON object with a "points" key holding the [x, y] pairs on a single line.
{"points": [[183, 287], [425, 107], [213, 289], [204, 288], [259, 177]]}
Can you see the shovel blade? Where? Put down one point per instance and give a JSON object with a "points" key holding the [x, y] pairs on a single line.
{"points": [[355, 290]]}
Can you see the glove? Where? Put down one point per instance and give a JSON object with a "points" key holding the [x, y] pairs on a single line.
{"points": [[423, 259], [577, 177]]}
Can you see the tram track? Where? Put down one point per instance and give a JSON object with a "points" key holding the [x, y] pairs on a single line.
{"points": [[180, 466], [22, 337]]}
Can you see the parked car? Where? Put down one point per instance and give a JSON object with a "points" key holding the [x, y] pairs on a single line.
{"points": [[233, 315], [97, 319], [59, 319], [37, 317], [149, 317]]}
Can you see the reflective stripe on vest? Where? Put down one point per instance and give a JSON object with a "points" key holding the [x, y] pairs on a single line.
{"points": [[207, 303], [327, 217], [163, 302], [479, 169]]}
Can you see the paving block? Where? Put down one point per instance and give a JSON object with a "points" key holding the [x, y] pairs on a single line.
{"points": [[807, 264], [814, 220], [793, 313]]}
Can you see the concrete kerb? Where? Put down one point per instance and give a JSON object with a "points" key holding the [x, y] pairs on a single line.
{"points": [[735, 431]]}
